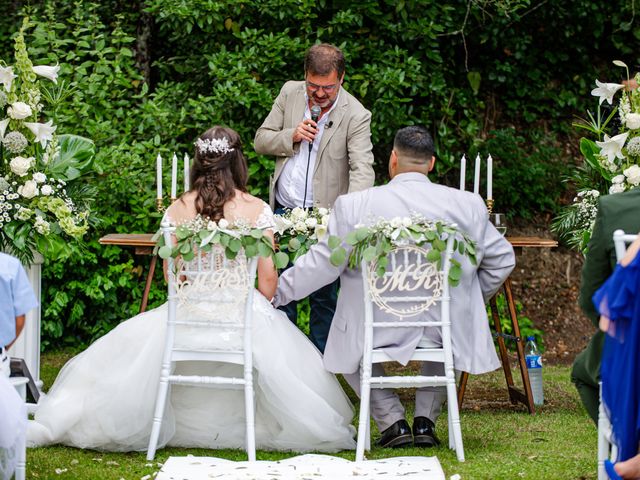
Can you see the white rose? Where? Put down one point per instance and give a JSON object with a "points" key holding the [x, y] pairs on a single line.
{"points": [[46, 190], [223, 223], [39, 177], [616, 188], [406, 222], [29, 189], [21, 165], [311, 222], [633, 121], [323, 211], [396, 222], [633, 175], [298, 214], [19, 111], [300, 227], [211, 226], [618, 179]]}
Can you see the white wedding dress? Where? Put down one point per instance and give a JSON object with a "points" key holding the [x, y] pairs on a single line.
{"points": [[104, 398]]}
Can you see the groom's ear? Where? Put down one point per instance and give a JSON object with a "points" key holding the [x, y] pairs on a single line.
{"points": [[432, 163], [393, 164]]}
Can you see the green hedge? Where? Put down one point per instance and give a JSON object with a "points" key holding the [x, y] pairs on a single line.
{"points": [[145, 77]]}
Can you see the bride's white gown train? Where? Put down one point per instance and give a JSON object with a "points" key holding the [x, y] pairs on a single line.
{"points": [[104, 397]]}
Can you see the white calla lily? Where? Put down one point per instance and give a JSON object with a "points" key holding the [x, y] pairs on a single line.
{"points": [[606, 91], [3, 127], [612, 146], [48, 72], [42, 131], [6, 77]]}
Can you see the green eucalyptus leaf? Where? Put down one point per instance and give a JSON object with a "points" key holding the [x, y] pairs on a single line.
{"points": [[369, 254], [338, 257], [433, 255], [281, 260], [164, 252], [294, 244], [334, 241]]}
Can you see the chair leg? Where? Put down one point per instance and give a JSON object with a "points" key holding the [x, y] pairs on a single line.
{"points": [[363, 421], [250, 417], [163, 390], [455, 431], [603, 442], [21, 468]]}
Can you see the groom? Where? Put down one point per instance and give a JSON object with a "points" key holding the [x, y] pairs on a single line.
{"points": [[408, 191]]}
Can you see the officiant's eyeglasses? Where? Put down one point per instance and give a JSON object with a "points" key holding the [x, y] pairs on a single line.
{"points": [[326, 88]]}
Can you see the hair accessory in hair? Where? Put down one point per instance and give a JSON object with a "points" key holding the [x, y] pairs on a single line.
{"points": [[214, 145]]}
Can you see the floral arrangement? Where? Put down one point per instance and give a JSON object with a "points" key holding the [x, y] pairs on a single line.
{"points": [[611, 158], [298, 229], [40, 207], [202, 234], [375, 241]]}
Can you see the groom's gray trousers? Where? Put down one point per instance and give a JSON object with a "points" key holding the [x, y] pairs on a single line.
{"points": [[386, 408]]}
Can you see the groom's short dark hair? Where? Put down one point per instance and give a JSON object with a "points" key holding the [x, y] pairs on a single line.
{"points": [[414, 143]]}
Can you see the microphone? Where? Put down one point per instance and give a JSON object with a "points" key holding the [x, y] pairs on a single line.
{"points": [[329, 125], [315, 114]]}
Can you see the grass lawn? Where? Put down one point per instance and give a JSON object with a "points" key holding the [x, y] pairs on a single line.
{"points": [[501, 441]]}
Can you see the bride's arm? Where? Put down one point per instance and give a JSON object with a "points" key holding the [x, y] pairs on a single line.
{"points": [[267, 274]]}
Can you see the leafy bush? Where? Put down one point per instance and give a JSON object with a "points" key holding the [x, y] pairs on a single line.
{"points": [[147, 77]]}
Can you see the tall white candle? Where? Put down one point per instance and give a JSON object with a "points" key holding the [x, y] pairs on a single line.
{"points": [[186, 172], [174, 176], [159, 177], [476, 177], [463, 171], [489, 177]]}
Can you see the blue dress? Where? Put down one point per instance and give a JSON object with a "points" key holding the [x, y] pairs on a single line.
{"points": [[619, 300]]}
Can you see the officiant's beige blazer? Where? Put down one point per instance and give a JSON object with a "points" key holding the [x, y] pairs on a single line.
{"points": [[345, 158], [473, 348]]}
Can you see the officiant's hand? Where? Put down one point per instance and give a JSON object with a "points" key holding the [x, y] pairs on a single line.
{"points": [[306, 130]]}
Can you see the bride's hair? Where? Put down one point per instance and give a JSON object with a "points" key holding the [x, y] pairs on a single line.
{"points": [[219, 168]]}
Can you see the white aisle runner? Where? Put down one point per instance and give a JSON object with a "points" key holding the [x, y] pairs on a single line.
{"points": [[303, 467]]}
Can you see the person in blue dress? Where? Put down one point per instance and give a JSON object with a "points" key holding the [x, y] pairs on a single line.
{"points": [[618, 301]]}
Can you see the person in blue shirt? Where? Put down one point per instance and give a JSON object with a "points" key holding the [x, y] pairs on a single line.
{"points": [[16, 300]]}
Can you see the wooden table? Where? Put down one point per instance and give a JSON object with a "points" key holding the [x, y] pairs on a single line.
{"points": [[515, 395], [143, 246]]}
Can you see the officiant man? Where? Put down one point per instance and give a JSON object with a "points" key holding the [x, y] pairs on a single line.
{"points": [[408, 191], [320, 153]]}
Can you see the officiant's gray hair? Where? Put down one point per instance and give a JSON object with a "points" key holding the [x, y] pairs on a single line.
{"points": [[414, 144]]}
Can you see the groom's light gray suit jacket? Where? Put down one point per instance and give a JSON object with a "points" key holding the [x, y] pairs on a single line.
{"points": [[473, 348]]}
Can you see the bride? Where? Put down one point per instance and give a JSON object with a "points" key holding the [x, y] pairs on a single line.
{"points": [[104, 398]]}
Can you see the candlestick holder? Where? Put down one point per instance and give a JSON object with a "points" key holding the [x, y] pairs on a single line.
{"points": [[160, 204], [490, 205]]}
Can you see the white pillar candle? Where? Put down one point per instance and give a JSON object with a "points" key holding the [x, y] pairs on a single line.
{"points": [[489, 177], [174, 176], [476, 177], [463, 171], [186, 172], [159, 177]]}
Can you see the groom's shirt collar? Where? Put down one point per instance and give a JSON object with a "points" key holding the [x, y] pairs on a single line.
{"points": [[410, 177]]}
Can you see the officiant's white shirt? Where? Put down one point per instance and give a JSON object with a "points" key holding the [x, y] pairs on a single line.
{"points": [[290, 186]]}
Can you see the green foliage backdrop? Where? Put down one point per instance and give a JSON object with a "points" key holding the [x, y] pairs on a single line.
{"points": [[145, 77]]}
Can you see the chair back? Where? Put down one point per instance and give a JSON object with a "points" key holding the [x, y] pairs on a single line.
{"points": [[213, 292], [620, 241], [409, 288]]}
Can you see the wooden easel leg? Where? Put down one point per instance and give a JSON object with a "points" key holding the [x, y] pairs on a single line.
{"points": [[464, 377], [527, 398], [502, 348], [147, 287]]}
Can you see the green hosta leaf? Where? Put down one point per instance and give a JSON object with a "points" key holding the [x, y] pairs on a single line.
{"points": [[338, 257], [164, 252], [75, 159], [281, 260]]}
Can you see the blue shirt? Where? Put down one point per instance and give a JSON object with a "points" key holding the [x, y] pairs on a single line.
{"points": [[16, 296]]}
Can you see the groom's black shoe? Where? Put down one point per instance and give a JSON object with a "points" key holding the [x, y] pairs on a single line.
{"points": [[397, 435], [424, 433]]}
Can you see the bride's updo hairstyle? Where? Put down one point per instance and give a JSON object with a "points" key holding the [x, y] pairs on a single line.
{"points": [[219, 168]]}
